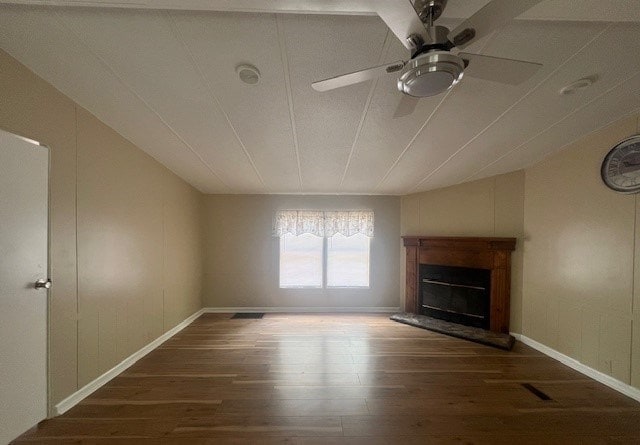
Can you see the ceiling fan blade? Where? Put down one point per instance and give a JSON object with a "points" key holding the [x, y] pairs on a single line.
{"points": [[403, 21], [357, 76], [493, 15], [406, 106], [497, 69]]}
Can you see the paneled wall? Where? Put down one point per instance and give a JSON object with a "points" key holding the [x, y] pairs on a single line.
{"points": [[581, 292], [125, 234], [488, 207], [241, 268]]}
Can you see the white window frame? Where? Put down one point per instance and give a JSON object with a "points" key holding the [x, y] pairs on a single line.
{"points": [[325, 268]]}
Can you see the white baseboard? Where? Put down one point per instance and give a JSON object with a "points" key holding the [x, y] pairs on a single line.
{"points": [[90, 387], [603, 378], [302, 309]]}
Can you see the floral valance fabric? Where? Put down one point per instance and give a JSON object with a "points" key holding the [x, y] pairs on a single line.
{"points": [[323, 223]]}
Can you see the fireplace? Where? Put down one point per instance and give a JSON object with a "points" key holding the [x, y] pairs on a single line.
{"points": [[457, 294], [463, 280]]}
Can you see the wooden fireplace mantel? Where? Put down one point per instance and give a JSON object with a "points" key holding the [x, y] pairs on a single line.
{"points": [[493, 254]]}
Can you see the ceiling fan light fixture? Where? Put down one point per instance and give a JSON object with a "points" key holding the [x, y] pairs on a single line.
{"points": [[431, 74]]}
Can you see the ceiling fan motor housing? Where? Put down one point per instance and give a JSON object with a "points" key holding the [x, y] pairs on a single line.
{"points": [[431, 73]]}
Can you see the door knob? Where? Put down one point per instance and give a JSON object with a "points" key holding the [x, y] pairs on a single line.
{"points": [[43, 283]]}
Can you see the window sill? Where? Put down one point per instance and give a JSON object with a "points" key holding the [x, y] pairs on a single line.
{"points": [[327, 288]]}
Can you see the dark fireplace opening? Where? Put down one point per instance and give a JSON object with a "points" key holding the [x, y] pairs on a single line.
{"points": [[458, 294]]}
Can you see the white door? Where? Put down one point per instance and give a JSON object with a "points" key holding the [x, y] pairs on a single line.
{"points": [[24, 170]]}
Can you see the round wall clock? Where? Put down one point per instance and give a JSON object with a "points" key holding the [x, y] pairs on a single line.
{"points": [[621, 167]]}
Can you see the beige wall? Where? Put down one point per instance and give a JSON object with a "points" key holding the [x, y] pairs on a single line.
{"points": [[579, 258], [241, 268], [125, 234], [488, 207]]}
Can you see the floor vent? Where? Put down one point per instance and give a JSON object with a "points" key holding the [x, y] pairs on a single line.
{"points": [[248, 315], [541, 395]]}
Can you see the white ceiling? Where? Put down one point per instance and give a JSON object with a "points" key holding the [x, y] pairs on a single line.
{"points": [[165, 79]]}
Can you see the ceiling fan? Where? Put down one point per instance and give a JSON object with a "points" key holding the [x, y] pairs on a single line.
{"points": [[433, 67]]}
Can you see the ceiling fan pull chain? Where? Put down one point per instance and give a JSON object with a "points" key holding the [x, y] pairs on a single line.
{"points": [[430, 17]]}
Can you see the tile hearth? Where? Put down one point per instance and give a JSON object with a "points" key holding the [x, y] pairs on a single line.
{"points": [[502, 341]]}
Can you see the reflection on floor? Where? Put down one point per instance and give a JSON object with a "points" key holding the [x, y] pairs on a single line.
{"points": [[342, 379]]}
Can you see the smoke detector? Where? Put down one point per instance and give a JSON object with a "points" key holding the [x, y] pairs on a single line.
{"points": [[248, 74]]}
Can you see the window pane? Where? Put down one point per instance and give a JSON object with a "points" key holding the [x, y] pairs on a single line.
{"points": [[348, 261], [300, 261]]}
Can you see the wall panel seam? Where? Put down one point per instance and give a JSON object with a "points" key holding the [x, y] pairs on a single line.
{"points": [[77, 317]]}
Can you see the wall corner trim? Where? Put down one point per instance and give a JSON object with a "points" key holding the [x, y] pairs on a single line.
{"points": [[605, 379], [303, 309], [75, 398]]}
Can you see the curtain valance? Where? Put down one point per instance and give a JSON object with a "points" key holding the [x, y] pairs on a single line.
{"points": [[323, 223]]}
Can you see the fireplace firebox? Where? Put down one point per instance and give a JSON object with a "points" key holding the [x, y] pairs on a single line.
{"points": [[464, 280], [457, 294]]}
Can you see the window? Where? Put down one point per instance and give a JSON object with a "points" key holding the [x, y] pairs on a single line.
{"points": [[348, 261], [324, 249], [301, 260]]}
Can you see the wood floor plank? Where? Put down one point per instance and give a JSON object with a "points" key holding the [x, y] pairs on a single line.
{"points": [[118, 409], [296, 407], [258, 426], [342, 379], [539, 439], [578, 424]]}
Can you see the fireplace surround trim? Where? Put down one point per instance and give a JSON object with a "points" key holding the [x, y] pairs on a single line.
{"points": [[493, 254]]}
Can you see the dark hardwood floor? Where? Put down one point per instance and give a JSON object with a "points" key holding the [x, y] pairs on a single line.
{"points": [[341, 379]]}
